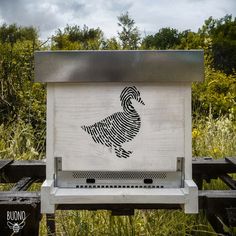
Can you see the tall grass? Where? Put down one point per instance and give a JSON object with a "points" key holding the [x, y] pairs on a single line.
{"points": [[214, 137], [144, 222], [17, 141], [211, 137]]}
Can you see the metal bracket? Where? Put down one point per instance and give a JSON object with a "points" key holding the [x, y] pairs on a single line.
{"points": [[181, 168], [58, 167]]}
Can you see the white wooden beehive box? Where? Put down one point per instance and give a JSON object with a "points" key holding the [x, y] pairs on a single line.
{"points": [[119, 127]]}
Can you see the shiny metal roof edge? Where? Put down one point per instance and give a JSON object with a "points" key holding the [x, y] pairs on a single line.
{"points": [[171, 50], [119, 66]]}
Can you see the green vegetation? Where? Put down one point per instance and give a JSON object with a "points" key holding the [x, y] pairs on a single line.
{"points": [[144, 222], [129, 36], [76, 38], [23, 107]]}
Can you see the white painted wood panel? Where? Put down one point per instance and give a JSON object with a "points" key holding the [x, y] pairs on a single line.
{"points": [[156, 146]]}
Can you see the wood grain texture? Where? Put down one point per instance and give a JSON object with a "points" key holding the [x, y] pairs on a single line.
{"points": [[160, 140]]}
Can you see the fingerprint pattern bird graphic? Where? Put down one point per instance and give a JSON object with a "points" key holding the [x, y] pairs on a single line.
{"points": [[120, 127]]}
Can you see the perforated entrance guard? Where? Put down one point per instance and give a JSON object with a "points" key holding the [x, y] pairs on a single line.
{"points": [[119, 179]]}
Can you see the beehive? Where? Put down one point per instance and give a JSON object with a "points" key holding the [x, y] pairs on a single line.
{"points": [[119, 127]]}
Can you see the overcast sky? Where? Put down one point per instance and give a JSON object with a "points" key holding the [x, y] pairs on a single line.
{"points": [[150, 15]]}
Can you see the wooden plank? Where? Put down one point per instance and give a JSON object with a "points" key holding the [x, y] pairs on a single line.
{"points": [[19, 194], [229, 181], [19, 169], [21, 200], [231, 160], [23, 184], [220, 194], [208, 169], [4, 163], [29, 163]]}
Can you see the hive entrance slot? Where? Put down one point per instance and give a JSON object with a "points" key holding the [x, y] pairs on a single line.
{"points": [[90, 181], [148, 181]]}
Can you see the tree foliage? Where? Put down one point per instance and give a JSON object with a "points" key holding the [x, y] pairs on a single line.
{"points": [[76, 38], [111, 44], [216, 95], [165, 38], [21, 99], [224, 43], [13, 33], [129, 35]]}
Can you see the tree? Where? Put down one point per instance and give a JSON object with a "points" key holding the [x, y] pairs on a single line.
{"points": [[222, 33], [215, 95], [148, 42], [224, 44], [111, 44], [76, 38], [20, 97], [13, 33], [129, 36], [190, 40], [165, 38], [21, 100]]}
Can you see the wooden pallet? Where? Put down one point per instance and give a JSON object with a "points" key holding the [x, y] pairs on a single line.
{"points": [[218, 205]]}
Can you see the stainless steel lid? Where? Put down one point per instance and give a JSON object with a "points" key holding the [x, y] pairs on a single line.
{"points": [[119, 66]]}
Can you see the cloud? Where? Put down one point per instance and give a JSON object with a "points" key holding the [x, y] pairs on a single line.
{"points": [[182, 14], [149, 15], [47, 16], [44, 16]]}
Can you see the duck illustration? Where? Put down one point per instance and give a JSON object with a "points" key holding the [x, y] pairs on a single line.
{"points": [[120, 127]]}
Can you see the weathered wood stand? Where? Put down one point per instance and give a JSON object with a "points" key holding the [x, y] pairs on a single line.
{"points": [[218, 205]]}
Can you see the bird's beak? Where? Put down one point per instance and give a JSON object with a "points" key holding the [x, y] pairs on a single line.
{"points": [[141, 101]]}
